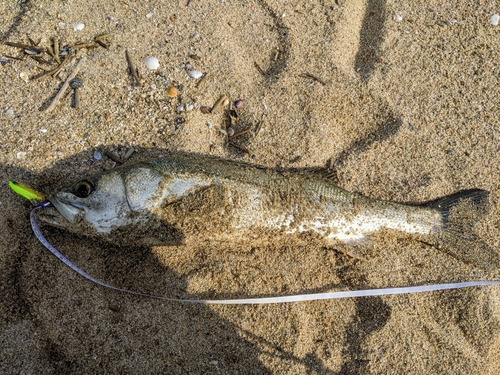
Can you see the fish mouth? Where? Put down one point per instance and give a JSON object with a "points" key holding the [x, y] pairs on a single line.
{"points": [[69, 210]]}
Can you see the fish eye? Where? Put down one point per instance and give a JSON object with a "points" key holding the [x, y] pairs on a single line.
{"points": [[83, 189]]}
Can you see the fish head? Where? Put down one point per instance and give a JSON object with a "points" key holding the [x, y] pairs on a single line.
{"points": [[103, 203]]}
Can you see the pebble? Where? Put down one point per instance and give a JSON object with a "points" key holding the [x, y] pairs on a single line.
{"points": [[494, 19], [152, 63], [97, 155], [79, 26], [43, 130], [188, 107], [209, 124], [180, 108], [196, 74], [9, 112]]}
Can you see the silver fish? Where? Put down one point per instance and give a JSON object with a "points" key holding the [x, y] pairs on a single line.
{"points": [[180, 198]]}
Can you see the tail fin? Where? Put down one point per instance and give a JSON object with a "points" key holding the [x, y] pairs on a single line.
{"points": [[459, 211]]}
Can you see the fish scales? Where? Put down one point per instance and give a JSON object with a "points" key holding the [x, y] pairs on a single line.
{"points": [[182, 198]]}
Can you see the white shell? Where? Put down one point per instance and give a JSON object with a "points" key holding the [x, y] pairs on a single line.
{"points": [[494, 19], [9, 112], [180, 108], [196, 74], [79, 26], [21, 154], [24, 77], [149, 15], [152, 63]]}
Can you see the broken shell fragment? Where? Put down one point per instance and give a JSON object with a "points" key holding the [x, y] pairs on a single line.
{"points": [[494, 19], [205, 109], [196, 74], [32, 52], [152, 63], [79, 26], [24, 77]]}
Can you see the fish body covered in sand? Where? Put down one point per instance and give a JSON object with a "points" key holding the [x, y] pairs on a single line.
{"points": [[174, 199]]}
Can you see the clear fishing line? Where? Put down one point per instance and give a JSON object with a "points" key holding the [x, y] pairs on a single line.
{"points": [[260, 300]]}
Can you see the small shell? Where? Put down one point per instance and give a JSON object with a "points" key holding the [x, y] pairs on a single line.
{"points": [[494, 19], [149, 15], [209, 124], [62, 25], [196, 74], [152, 63], [188, 107], [32, 52], [9, 112], [97, 155], [79, 26], [205, 109], [24, 77], [238, 104], [172, 91], [21, 154], [230, 132], [180, 108]]}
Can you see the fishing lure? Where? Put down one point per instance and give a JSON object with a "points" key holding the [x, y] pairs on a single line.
{"points": [[27, 192]]}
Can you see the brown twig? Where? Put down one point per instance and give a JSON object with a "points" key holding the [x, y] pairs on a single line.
{"points": [[113, 157], [243, 132], [56, 50], [218, 103], [24, 46], [102, 44], [56, 70], [308, 75], [132, 69], [241, 148], [65, 85], [257, 128], [86, 45], [261, 71], [102, 36]]}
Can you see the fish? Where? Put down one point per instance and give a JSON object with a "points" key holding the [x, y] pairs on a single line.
{"points": [[181, 198]]}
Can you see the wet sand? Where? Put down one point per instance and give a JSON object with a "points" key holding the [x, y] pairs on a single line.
{"points": [[405, 108]]}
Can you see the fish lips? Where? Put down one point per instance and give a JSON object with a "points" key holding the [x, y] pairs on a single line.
{"points": [[69, 209]]}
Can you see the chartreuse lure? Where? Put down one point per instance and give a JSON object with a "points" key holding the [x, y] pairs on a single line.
{"points": [[27, 192]]}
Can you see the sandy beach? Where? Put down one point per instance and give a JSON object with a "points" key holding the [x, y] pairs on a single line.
{"points": [[399, 98]]}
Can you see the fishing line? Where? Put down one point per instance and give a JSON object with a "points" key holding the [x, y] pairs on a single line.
{"points": [[262, 300]]}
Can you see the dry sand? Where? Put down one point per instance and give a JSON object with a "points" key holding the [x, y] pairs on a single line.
{"points": [[409, 112]]}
